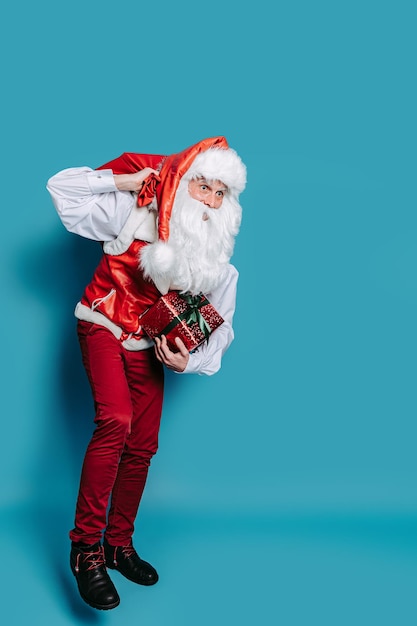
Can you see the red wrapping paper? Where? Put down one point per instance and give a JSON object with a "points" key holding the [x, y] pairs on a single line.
{"points": [[173, 317]]}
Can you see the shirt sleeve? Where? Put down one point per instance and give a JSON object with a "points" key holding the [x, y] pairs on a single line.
{"points": [[207, 358], [89, 203]]}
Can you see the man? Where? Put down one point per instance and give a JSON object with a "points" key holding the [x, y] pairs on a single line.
{"points": [[166, 223]]}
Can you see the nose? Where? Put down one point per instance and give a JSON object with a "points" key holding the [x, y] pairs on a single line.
{"points": [[210, 200]]}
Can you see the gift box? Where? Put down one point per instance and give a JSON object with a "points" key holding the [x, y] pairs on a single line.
{"points": [[191, 318]]}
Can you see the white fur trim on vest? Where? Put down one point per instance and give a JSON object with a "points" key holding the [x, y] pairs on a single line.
{"points": [[219, 164], [86, 314], [141, 224]]}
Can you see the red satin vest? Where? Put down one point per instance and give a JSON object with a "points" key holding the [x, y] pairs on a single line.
{"points": [[119, 291]]}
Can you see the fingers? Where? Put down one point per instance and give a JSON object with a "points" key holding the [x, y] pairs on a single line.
{"points": [[162, 350], [133, 182], [147, 171], [181, 346], [162, 345], [163, 353], [174, 360], [158, 349]]}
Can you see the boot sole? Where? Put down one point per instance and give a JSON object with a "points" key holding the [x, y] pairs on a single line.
{"points": [[100, 607]]}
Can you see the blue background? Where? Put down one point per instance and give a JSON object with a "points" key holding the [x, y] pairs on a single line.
{"points": [[284, 490]]}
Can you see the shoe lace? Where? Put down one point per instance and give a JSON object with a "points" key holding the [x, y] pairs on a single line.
{"points": [[94, 558], [128, 551]]}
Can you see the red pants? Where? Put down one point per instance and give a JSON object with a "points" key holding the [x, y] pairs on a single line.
{"points": [[127, 389]]}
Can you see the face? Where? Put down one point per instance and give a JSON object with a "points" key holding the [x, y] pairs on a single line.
{"points": [[209, 193]]}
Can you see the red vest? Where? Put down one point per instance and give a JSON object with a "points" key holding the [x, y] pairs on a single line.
{"points": [[119, 291]]}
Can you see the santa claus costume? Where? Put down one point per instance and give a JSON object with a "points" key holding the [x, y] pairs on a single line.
{"points": [[154, 241]]}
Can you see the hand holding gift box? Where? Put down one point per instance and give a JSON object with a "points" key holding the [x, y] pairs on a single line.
{"points": [[191, 318]]}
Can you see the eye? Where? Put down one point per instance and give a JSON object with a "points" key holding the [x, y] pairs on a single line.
{"points": [[203, 187], [220, 194]]}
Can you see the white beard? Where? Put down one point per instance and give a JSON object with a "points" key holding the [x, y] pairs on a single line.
{"points": [[200, 249]]}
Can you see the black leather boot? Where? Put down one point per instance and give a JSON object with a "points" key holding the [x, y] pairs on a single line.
{"points": [[126, 560], [94, 583]]}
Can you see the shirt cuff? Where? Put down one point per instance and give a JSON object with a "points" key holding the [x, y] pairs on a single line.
{"points": [[101, 181]]}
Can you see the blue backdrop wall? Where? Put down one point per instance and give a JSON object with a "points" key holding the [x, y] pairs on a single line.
{"points": [[301, 450]]}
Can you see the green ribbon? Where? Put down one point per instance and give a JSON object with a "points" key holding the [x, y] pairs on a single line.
{"points": [[191, 315]]}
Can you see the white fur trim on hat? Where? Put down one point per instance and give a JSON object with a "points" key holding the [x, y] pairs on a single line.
{"points": [[222, 164]]}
